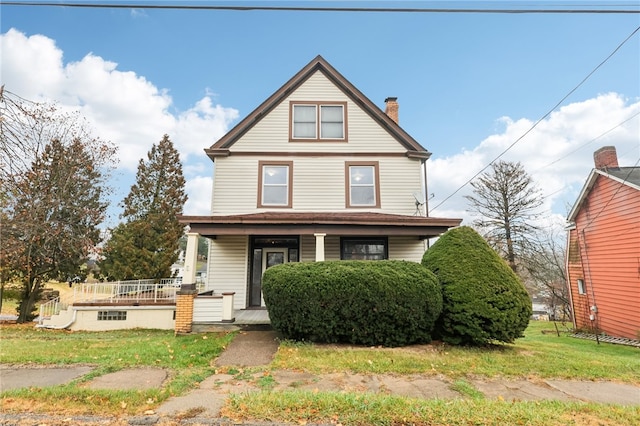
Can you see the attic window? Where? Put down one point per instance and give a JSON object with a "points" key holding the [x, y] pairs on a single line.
{"points": [[318, 121]]}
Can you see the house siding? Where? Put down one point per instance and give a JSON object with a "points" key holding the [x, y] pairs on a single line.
{"points": [[318, 184], [406, 248], [574, 273], [228, 267], [271, 133], [608, 238], [318, 167]]}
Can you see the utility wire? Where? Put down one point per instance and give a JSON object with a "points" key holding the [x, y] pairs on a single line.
{"points": [[631, 170], [539, 120], [323, 9], [587, 143]]}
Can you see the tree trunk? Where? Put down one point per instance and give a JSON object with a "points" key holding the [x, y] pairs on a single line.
{"points": [[28, 301], [511, 257]]}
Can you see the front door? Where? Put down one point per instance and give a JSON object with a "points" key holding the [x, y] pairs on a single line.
{"points": [[268, 251], [271, 257]]}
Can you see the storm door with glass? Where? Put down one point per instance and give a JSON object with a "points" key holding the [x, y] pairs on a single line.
{"points": [[268, 252]]}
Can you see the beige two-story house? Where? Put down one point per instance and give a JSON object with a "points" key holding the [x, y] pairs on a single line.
{"points": [[316, 172]]}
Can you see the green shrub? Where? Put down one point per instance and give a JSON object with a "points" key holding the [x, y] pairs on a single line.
{"points": [[483, 299], [390, 303]]}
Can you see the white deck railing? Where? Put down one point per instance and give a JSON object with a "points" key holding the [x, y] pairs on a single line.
{"points": [[133, 291], [128, 291], [50, 308]]}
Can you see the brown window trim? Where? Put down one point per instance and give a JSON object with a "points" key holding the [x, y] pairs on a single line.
{"points": [[318, 105], [288, 164], [347, 181]]}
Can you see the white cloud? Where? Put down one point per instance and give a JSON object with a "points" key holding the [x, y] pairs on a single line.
{"points": [[557, 153], [121, 106], [133, 113], [199, 192]]}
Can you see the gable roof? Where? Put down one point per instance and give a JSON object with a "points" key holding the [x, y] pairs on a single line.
{"points": [[222, 146], [629, 176]]}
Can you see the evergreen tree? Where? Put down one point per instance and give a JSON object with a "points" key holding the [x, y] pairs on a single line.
{"points": [[145, 245], [484, 301]]}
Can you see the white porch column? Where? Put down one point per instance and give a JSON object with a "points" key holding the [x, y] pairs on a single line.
{"points": [[319, 247], [190, 259]]}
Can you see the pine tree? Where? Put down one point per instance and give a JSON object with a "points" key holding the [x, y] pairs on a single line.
{"points": [[145, 245]]}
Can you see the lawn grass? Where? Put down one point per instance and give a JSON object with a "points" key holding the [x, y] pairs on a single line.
{"points": [[186, 358], [352, 409], [536, 356]]}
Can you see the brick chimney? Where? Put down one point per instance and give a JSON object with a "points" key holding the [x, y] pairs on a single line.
{"points": [[391, 108], [606, 158]]}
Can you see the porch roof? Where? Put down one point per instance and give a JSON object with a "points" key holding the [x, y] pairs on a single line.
{"points": [[330, 223]]}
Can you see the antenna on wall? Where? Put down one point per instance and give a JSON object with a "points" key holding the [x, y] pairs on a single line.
{"points": [[419, 197]]}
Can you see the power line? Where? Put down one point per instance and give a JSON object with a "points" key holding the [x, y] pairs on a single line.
{"points": [[324, 8], [631, 170], [587, 143], [540, 119]]}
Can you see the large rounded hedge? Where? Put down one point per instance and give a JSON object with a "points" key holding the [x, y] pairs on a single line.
{"points": [[390, 303], [483, 299]]}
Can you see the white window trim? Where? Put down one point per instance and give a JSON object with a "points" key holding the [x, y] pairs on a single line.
{"points": [[581, 287]]}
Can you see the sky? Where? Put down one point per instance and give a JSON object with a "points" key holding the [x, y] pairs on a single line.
{"points": [[469, 85]]}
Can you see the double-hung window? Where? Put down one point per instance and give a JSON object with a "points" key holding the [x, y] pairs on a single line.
{"points": [[362, 184], [274, 187], [318, 121]]}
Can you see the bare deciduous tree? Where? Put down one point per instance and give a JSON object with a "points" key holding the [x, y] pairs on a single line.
{"points": [[52, 196], [543, 271], [506, 199]]}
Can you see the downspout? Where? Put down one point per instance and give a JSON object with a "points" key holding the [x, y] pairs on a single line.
{"points": [[426, 188], [425, 195]]}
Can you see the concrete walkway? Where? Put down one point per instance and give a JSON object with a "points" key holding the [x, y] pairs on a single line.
{"points": [[257, 348]]}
